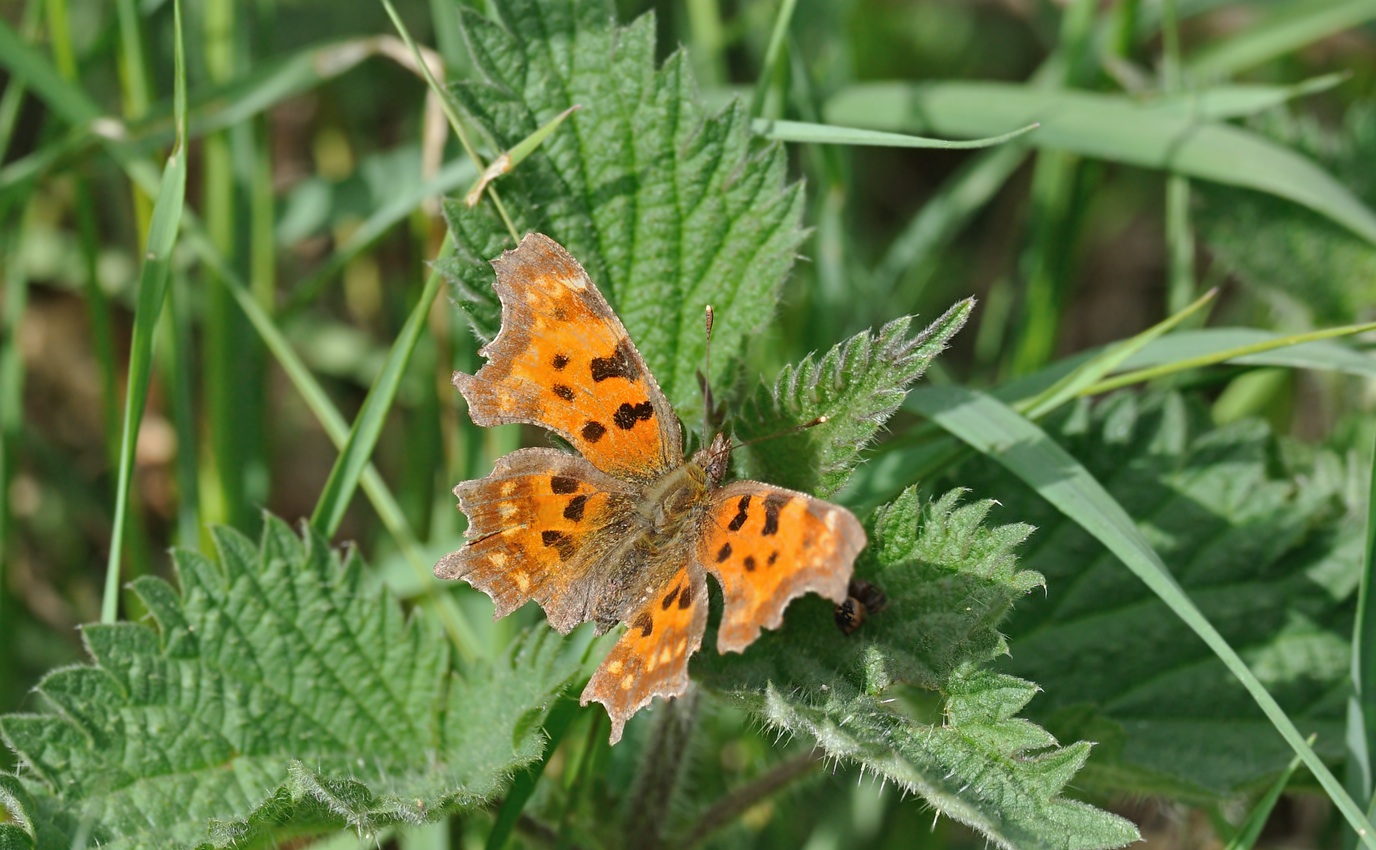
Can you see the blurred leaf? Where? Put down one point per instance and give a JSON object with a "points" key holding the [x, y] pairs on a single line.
{"points": [[669, 209], [858, 385], [1110, 127], [276, 697], [1268, 557], [949, 581], [1290, 255], [1286, 27]]}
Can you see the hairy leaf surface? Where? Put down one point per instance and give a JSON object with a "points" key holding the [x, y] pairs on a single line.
{"points": [[276, 695], [668, 208], [949, 580], [1269, 555]]}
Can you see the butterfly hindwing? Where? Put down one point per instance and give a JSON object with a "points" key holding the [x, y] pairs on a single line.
{"points": [[563, 360], [540, 527], [767, 545], [651, 658]]}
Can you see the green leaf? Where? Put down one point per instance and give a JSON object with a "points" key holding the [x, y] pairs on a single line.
{"points": [[1109, 127], [1292, 256], [1026, 451], [1268, 557], [277, 696], [949, 581], [668, 208], [857, 385], [1286, 27]]}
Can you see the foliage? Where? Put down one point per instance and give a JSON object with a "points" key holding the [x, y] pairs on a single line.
{"points": [[668, 208], [280, 695], [276, 693], [949, 580], [1262, 543]]}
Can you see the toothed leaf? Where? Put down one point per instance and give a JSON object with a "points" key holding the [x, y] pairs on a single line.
{"points": [[667, 207], [276, 696], [949, 581], [857, 385], [1265, 546]]}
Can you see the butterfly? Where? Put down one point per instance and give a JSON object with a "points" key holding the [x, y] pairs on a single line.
{"points": [[626, 530]]}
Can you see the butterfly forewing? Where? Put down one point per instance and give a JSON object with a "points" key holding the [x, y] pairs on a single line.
{"points": [[767, 545], [562, 360]]}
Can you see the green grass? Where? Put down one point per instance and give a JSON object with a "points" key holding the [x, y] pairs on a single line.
{"points": [[234, 290]]}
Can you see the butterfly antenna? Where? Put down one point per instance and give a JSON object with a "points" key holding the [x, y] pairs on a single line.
{"points": [[784, 433], [709, 408]]}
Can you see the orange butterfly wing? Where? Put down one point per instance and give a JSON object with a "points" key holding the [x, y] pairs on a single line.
{"points": [[539, 527], [767, 545], [651, 658], [563, 360]]}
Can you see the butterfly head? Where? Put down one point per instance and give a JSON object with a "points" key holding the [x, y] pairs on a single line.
{"points": [[715, 459]]}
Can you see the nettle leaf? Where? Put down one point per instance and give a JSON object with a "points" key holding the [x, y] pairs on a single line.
{"points": [[857, 385], [949, 581], [1289, 253], [1268, 553], [667, 207], [277, 696]]}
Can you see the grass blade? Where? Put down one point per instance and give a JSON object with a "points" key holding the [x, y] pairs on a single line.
{"points": [[157, 258], [993, 428], [1361, 705], [1286, 28], [1246, 837], [1110, 358], [367, 427], [1110, 127], [831, 134]]}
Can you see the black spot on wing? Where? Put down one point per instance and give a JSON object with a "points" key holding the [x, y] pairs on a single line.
{"points": [[559, 362], [750, 563], [645, 623], [563, 392], [562, 485], [773, 503], [594, 431], [560, 541], [685, 599], [574, 509], [628, 414], [670, 597], [724, 552], [621, 364], [742, 513]]}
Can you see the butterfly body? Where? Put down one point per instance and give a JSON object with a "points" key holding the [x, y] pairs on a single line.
{"points": [[627, 530]]}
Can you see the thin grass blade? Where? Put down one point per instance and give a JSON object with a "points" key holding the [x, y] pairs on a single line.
{"points": [[1361, 704], [1110, 127], [994, 429], [832, 134], [1287, 27], [348, 468], [157, 258], [1246, 837], [1077, 382]]}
